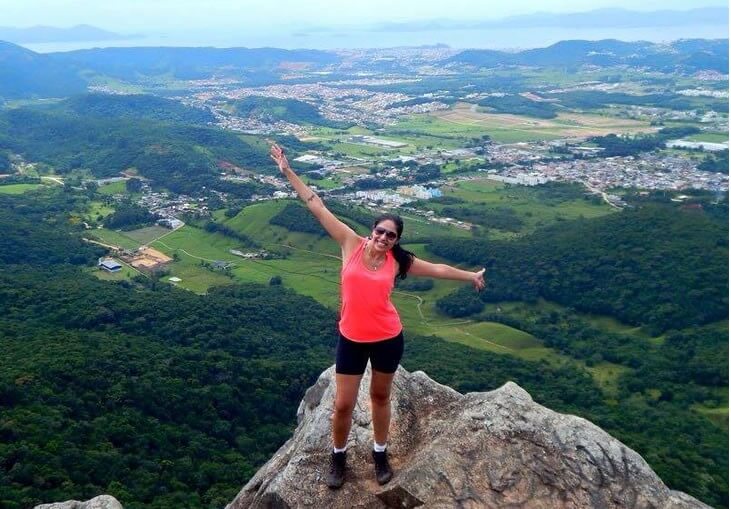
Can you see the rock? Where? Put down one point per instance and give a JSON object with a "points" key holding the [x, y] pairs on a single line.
{"points": [[490, 449], [100, 502]]}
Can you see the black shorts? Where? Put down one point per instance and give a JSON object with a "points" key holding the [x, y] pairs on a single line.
{"points": [[351, 357]]}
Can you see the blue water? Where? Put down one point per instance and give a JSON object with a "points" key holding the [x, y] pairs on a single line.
{"points": [[483, 38]]}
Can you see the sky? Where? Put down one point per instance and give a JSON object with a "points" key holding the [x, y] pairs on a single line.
{"points": [[276, 15], [328, 24]]}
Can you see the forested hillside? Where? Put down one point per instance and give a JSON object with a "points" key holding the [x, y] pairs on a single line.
{"points": [[289, 110], [658, 266], [158, 396], [108, 134]]}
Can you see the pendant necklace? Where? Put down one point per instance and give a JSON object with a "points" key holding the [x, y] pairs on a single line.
{"points": [[373, 265]]}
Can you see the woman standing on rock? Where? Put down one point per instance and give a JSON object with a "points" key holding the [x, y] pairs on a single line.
{"points": [[370, 327]]}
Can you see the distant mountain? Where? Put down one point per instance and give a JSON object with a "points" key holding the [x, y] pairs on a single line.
{"points": [[193, 63], [133, 107], [38, 34], [600, 18], [684, 55], [291, 110], [28, 74]]}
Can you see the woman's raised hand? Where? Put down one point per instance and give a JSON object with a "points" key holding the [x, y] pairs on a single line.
{"points": [[478, 281], [277, 154]]}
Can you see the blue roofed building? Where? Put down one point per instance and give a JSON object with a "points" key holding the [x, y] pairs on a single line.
{"points": [[110, 265]]}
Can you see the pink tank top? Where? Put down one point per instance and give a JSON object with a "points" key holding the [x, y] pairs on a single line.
{"points": [[366, 311]]}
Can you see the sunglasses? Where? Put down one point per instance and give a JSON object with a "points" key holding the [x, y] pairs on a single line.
{"points": [[389, 234]]}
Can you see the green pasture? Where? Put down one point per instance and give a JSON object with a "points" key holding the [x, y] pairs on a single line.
{"points": [[256, 141], [430, 125], [717, 415], [417, 227], [606, 375], [521, 309], [197, 244], [326, 183], [194, 276], [18, 188], [113, 188], [358, 150], [147, 234], [611, 324], [98, 208], [112, 83], [443, 131], [526, 201], [124, 274], [715, 137], [114, 238]]}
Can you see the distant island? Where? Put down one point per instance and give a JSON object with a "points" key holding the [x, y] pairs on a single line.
{"points": [[41, 34]]}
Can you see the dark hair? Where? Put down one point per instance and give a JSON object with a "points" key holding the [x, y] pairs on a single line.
{"points": [[403, 257]]}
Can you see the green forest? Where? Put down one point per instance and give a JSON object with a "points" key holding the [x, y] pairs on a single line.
{"points": [[158, 138], [658, 266], [166, 399]]}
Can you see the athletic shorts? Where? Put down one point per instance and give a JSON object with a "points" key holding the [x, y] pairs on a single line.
{"points": [[351, 357]]}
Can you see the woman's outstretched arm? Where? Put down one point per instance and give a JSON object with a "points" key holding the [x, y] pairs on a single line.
{"points": [[442, 271], [338, 230]]}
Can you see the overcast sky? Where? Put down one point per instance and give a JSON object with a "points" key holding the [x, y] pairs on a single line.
{"points": [[274, 15]]}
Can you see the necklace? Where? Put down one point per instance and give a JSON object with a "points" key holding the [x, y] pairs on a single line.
{"points": [[373, 264]]}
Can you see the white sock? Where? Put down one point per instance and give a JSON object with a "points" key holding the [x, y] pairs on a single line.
{"points": [[336, 450], [379, 447]]}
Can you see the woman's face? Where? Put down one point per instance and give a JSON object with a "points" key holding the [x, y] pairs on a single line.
{"points": [[384, 235]]}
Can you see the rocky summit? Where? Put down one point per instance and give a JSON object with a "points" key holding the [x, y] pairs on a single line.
{"points": [[100, 502], [489, 449]]}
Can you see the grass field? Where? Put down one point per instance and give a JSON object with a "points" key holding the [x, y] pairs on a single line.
{"points": [[114, 238], [606, 375], [124, 274], [147, 234], [197, 244], [113, 188], [710, 137], [98, 208], [525, 201], [465, 121], [18, 188], [717, 413]]}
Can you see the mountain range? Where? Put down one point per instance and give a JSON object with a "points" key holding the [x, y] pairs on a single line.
{"points": [[599, 18], [41, 33]]}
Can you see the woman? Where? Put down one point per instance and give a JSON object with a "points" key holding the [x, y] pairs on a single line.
{"points": [[370, 327]]}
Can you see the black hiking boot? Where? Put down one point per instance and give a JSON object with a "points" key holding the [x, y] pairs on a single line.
{"points": [[336, 477], [383, 469]]}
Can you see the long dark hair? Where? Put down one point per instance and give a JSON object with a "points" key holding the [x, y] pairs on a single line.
{"points": [[403, 257]]}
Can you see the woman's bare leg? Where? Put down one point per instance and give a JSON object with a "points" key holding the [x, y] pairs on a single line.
{"points": [[381, 404], [346, 394]]}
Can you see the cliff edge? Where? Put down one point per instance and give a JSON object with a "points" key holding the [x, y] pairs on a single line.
{"points": [[490, 449]]}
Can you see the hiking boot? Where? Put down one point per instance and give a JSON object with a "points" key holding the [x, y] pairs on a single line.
{"points": [[336, 477], [383, 469]]}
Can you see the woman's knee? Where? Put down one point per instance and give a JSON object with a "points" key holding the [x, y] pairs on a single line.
{"points": [[380, 397], [343, 407]]}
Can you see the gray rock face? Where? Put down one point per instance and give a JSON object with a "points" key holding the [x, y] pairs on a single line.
{"points": [[493, 449], [100, 502]]}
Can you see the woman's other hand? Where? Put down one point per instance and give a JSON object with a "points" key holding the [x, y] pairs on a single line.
{"points": [[478, 281], [277, 154]]}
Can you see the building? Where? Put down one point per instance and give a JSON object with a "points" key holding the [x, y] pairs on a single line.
{"points": [[171, 222], [109, 264]]}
